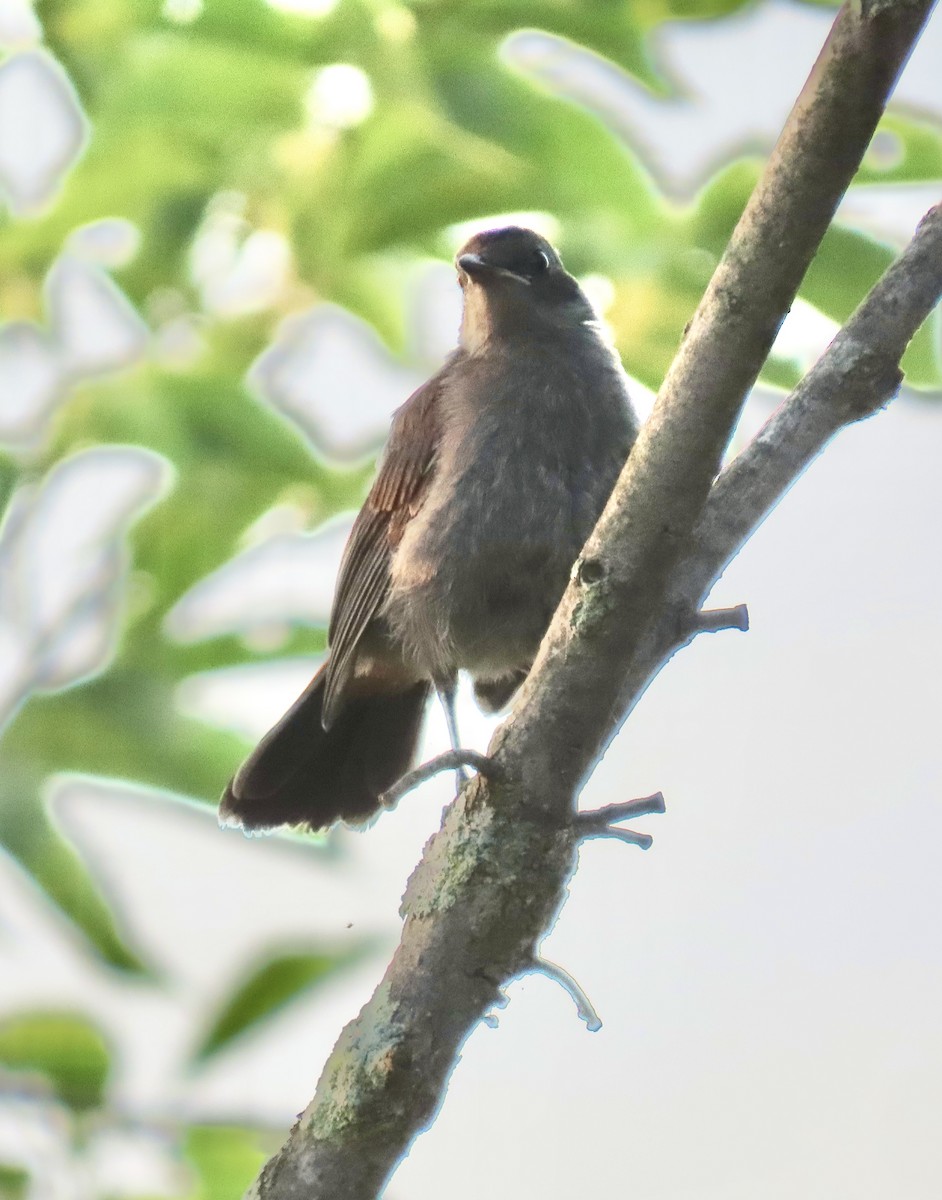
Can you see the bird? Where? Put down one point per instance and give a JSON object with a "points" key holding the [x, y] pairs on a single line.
{"points": [[493, 476]]}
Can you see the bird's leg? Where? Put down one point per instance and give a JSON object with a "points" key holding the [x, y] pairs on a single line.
{"points": [[455, 759], [447, 690]]}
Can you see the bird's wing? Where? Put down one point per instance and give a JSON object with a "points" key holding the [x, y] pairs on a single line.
{"points": [[395, 497]]}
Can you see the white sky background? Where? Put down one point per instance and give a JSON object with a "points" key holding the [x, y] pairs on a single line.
{"points": [[769, 975]]}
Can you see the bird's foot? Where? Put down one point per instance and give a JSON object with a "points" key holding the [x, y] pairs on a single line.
{"points": [[452, 760], [601, 822]]}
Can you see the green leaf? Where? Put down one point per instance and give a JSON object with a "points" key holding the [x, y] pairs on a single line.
{"points": [[14, 1183], [782, 373], [27, 835], [656, 11], [194, 87], [655, 297], [234, 459], [922, 362], [847, 265], [611, 29], [270, 987], [66, 1049], [904, 149], [124, 723], [226, 1159], [720, 203]]}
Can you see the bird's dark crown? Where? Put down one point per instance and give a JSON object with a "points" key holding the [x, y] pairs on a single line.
{"points": [[514, 249], [515, 266]]}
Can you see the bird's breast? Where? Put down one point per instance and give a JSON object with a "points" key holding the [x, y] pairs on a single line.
{"points": [[527, 457]]}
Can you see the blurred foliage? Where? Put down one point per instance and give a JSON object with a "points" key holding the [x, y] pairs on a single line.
{"points": [[225, 1158], [64, 1049], [270, 987], [190, 117], [14, 1183]]}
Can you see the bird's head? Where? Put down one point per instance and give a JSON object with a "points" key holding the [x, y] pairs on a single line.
{"points": [[515, 284]]}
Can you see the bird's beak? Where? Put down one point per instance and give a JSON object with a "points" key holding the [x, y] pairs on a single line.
{"points": [[474, 266]]}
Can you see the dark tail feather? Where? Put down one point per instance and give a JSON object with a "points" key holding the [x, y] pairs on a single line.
{"points": [[302, 774]]}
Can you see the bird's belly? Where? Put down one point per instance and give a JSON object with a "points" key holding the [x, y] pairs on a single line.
{"points": [[475, 592], [515, 493]]}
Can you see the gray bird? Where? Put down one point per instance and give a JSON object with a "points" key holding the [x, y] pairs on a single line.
{"points": [[494, 475]]}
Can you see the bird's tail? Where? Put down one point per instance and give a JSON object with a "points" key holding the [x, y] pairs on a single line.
{"points": [[302, 774]]}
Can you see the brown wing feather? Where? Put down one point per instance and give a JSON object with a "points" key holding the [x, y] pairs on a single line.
{"points": [[395, 497]]}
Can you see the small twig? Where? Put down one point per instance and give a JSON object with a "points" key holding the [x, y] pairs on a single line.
{"points": [[643, 841], [452, 760], [715, 620], [600, 822], [490, 1018], [611, 813], [584, 1006]]}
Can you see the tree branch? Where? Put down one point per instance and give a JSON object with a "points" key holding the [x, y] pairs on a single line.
{"points": [[856, 376], [646, 527], [492, 880]]}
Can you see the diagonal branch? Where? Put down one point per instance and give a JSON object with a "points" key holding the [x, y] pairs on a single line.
{"points": [[492, 880], [645, 529], [855, 378], [858, 374]]}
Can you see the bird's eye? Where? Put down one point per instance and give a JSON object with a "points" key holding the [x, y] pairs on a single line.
{"points": [[540, 262]]}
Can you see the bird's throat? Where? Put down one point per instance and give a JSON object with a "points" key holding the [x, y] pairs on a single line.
{"points": [[477, 321]]}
